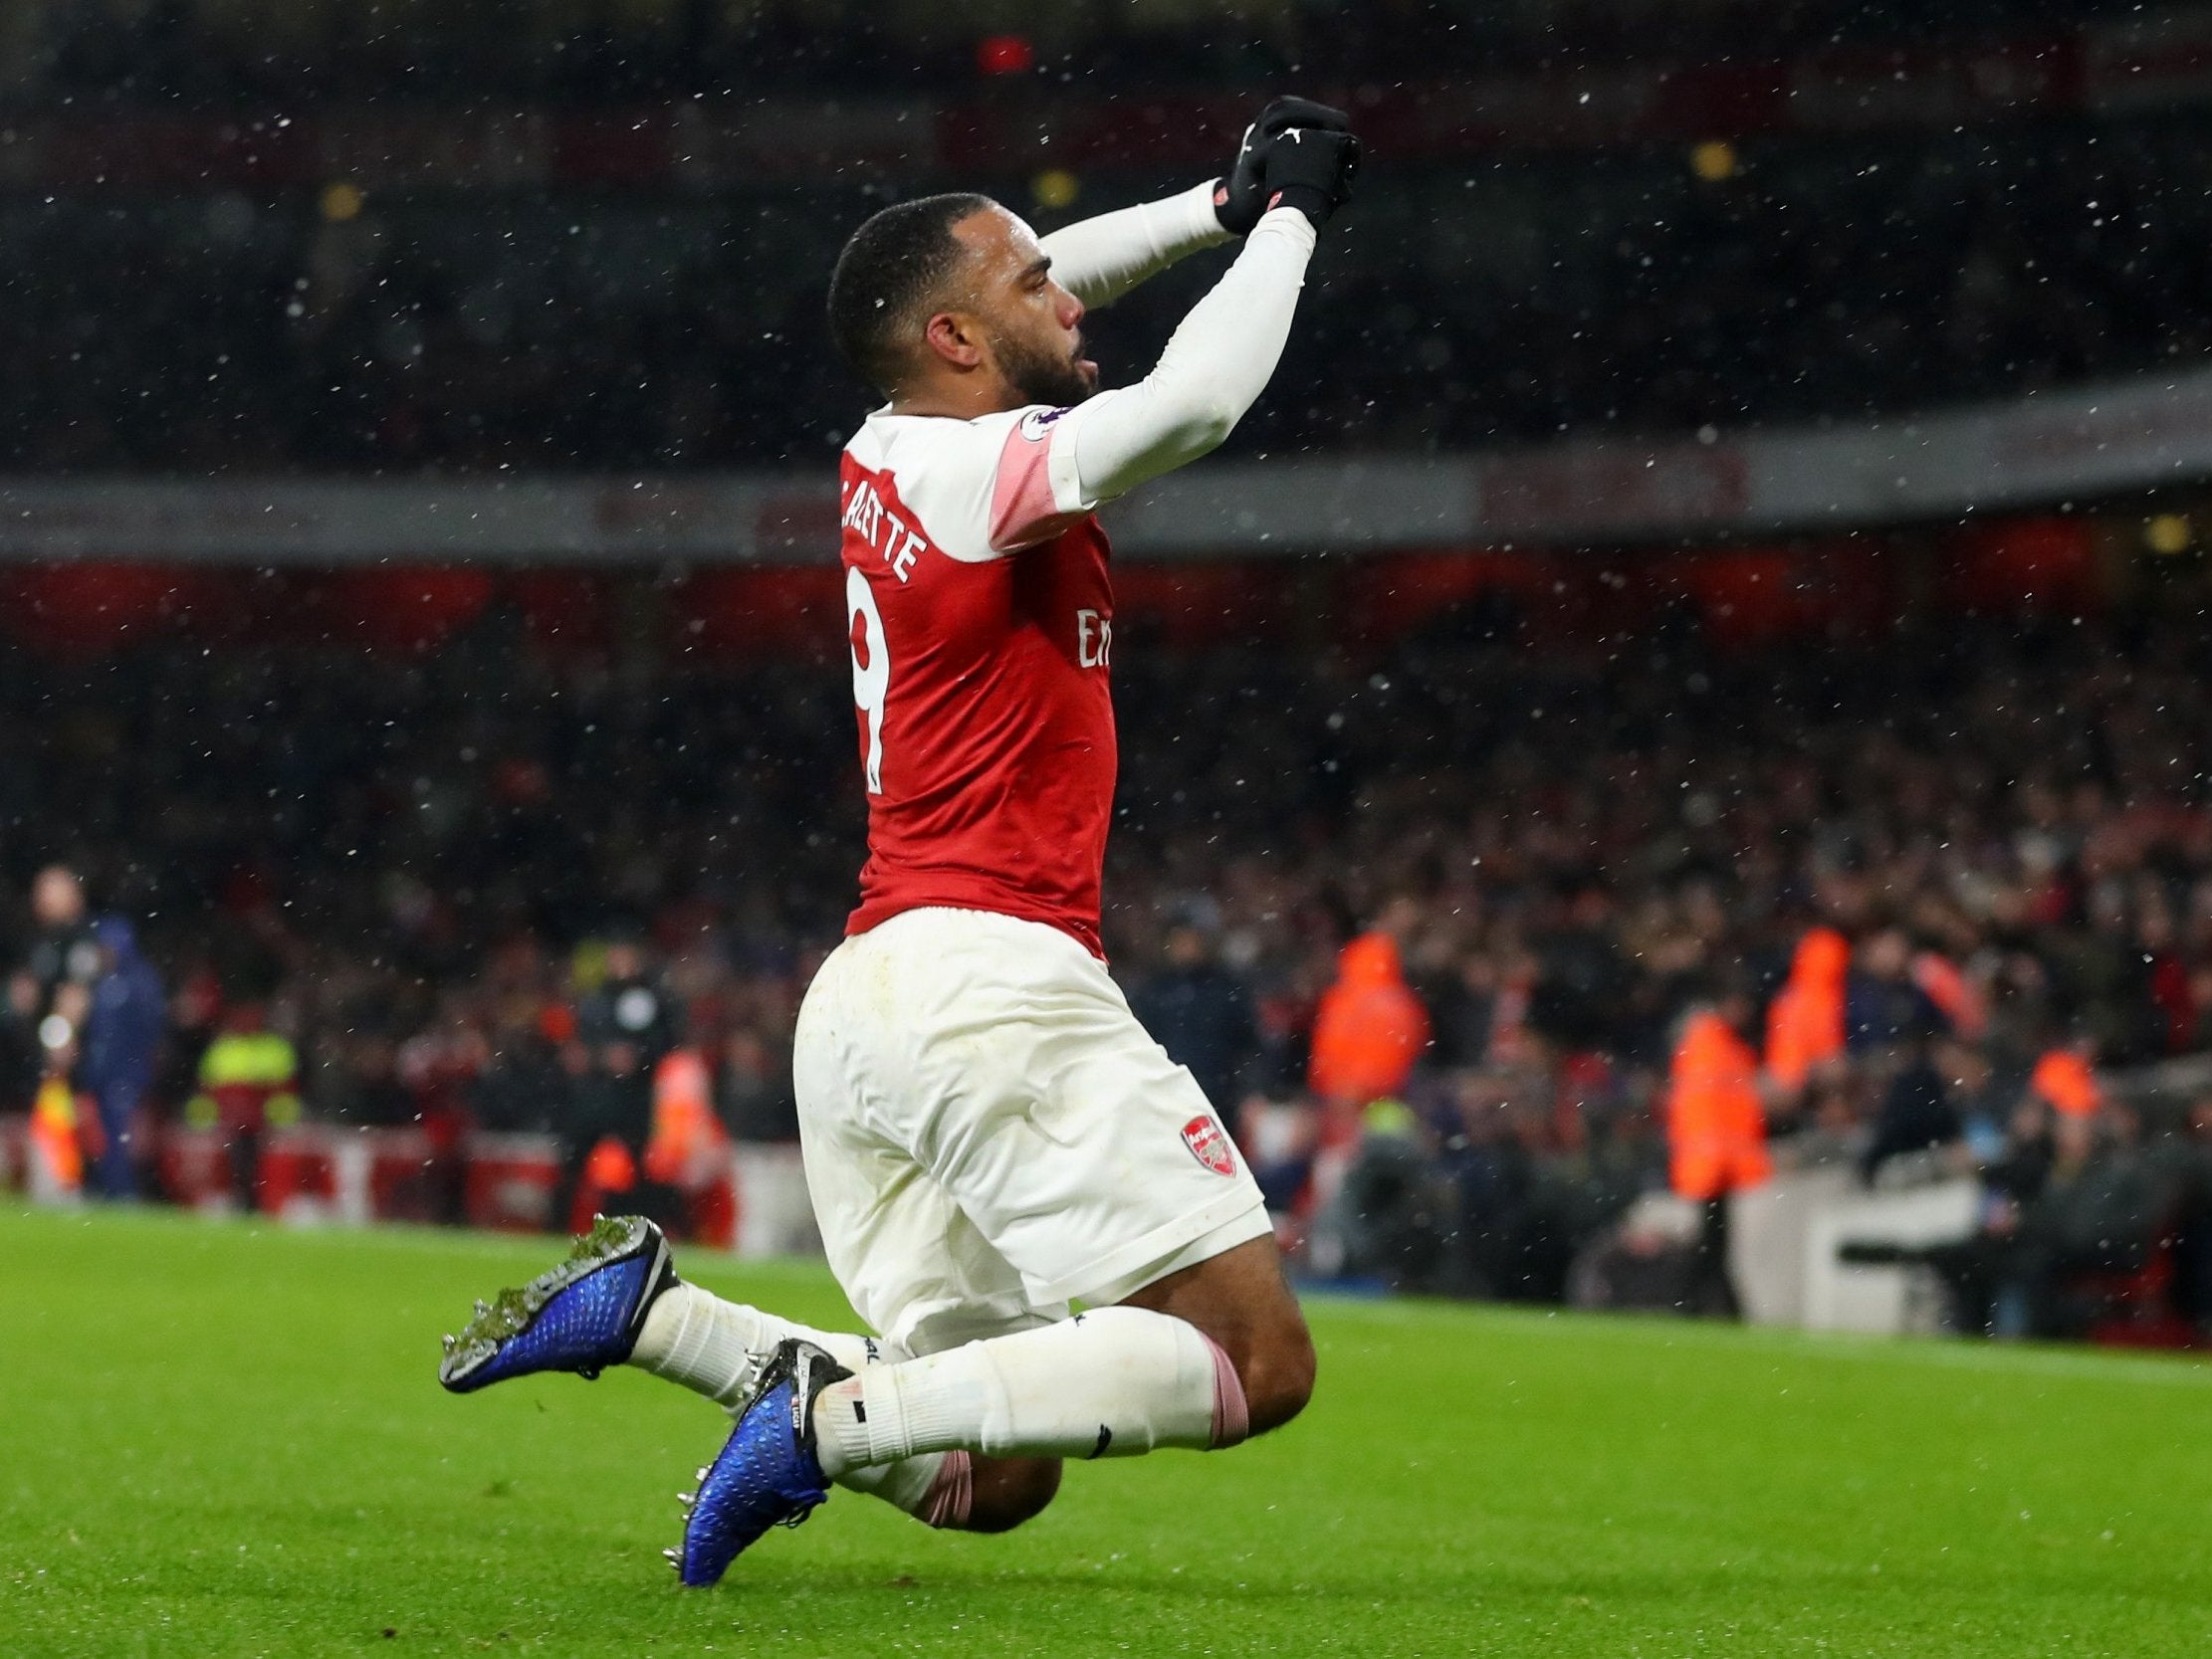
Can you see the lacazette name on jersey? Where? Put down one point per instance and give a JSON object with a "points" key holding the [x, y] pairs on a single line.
{"points": [[867, 515]]}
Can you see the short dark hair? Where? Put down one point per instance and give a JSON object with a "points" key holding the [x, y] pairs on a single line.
{"points": [[896, 261]]}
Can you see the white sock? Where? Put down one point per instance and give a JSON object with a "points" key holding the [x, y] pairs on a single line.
{"points": [[1112, 1382], [716, 1349]]}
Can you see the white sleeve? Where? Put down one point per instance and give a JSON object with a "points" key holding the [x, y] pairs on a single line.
{"points": [[1099, 260], [1215, 367]]}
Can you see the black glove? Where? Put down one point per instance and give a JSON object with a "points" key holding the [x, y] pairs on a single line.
{"points": [[1240, 198], [1312, 170]]}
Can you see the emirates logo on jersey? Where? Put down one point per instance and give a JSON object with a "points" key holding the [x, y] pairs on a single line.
{"points": [[1210, 1144]]}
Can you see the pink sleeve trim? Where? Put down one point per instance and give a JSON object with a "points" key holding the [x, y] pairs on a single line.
{"points": [[1021, 510], [1232, 1415], [951, 1495]]}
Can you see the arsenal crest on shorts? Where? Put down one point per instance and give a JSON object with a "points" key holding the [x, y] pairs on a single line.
{"points": [[1209, 1143]]}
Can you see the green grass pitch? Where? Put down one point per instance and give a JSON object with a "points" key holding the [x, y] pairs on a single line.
{"points": [[219, 1439]]}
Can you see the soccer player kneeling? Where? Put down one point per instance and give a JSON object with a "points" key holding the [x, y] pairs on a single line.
{"points": [[990, 1135]]}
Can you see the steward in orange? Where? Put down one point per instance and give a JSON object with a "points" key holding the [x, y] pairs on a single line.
{"points": [[686, 1133], [2063, 1078], [1715, 1135], [1368, 1029], [1804, 1022], [689, 1151]]}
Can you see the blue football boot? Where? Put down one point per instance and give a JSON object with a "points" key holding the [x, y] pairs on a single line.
{"points": [[582, 1316], [767, 1474]]}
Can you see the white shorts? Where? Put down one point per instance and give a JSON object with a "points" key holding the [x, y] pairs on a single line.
{"points": [[990, 1133]]}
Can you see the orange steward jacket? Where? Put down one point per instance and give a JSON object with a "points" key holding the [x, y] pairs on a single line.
{"points": [[1716, 1131]]}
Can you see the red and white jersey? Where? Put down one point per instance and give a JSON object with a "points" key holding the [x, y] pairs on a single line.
{"points": [[980, 618]]}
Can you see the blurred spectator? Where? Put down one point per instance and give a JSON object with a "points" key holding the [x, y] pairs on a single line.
{"points": [[2076, 1206], [249, 1084], [123, 1046], [1385, 1219], [2192, 1232], [1916, 1113], [51, 993], [1197, 1011], [48, 998], [1953, 993], [439, 1068], [524, 1087], [65, 953], [1883, 1005], [752, 1089], [624, 1028], [1279, 1140]]}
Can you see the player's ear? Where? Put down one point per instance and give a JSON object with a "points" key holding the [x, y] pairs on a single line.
{"points": [[955, 339]]}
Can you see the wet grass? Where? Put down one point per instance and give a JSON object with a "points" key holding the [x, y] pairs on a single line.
{"points": [[221, 1439]]}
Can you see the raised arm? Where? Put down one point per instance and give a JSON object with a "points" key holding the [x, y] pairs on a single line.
{"points": [[1099, 260], [1216, 364], [1056, 465], [1219, 358]]}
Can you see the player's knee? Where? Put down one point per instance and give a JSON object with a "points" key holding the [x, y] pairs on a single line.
{"points": [[1277, 1374], [1009, 1491]]}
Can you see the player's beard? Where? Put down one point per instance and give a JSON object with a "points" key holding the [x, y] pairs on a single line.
{"points": [[1042, 376]]}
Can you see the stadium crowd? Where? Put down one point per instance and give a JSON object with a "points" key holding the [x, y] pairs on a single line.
{"points": [[1424, 919], [229, 335]]}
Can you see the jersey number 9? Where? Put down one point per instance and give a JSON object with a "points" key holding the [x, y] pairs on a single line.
{"points": [[871, 669]]}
